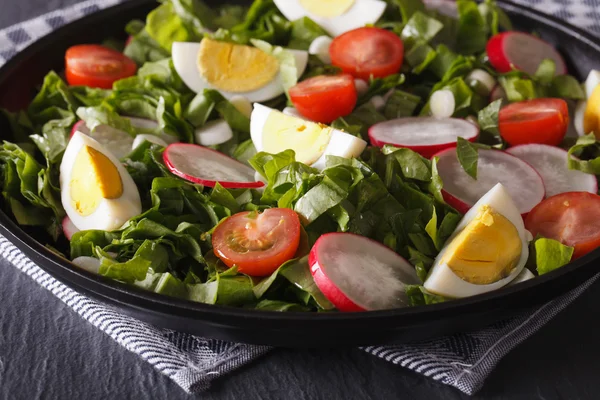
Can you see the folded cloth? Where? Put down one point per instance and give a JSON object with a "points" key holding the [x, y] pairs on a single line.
{"points": [[462, 360]]}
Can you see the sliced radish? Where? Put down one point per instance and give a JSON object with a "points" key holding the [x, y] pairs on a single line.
{"points": [[509, 50], [358, 274], [426, 136], [521, 180], [213, 133], [207, 167], [551, 163], [69, 229]]}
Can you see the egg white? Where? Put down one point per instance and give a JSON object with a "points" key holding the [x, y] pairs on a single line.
{"points": [[443, 281], [185, 56], [110, 214], [361, 13], [340, 144]]}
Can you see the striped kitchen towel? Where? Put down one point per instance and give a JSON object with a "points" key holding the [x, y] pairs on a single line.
{"points": [[461, 360]]}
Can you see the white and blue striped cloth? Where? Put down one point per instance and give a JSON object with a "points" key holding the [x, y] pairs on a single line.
{"points": [[461, 360]]}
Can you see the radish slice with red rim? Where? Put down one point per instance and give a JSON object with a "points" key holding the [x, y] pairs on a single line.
{"points": [[69, 229], [204, 166], [358, 274], [509, 50], [461, 191], [427, 136], [551, 163]]}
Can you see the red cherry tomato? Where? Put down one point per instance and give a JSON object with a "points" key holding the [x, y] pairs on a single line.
{"points": [[258, 243], [97, 66], [572, 218], [325, 98], [366, 52], [543, 121]]}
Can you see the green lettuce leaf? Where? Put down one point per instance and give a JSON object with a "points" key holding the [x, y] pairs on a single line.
{"points": [[551, 255]]}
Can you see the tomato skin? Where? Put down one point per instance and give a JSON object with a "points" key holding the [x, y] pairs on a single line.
{"points": [[542, 121], [325, 98], [368, 52], [572, 218], [97, 66], [258, 243]]}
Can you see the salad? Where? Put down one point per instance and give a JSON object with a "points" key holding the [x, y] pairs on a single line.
{"points": [[300, 155]]}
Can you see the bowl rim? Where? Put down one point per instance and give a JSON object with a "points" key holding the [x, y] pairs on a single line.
{"points": [[118, 293]]}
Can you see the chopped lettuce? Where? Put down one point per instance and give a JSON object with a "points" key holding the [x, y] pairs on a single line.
{"points": [[551, 254]]}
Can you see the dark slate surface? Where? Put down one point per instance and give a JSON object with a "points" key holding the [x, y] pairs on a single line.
{"points": [[48, 352]]}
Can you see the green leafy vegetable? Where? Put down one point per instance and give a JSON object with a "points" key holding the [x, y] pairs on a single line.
{"points": [[551, 255], [584, 156]]}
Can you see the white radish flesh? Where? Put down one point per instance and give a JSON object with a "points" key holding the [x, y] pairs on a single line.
{"points": [[207, 167], [551, 163], [213, 133], [242, 104], [89, 264], [525, 52], [442, 104], [425, 135], [320, 48], [358, 274], [144, 137], [69, 228], [461, 191], [483, 80]]}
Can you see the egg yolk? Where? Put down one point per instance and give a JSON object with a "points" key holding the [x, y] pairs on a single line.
{"points": [[591, 118], [487, 250], [94, 177], [327, 8], [308, 139], [234, 67]]}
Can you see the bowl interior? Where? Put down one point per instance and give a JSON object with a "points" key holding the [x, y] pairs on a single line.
{"points": [[19, 80]]}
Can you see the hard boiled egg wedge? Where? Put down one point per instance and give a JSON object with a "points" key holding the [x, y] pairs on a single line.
{"points": [[591, 113], [273, 132], [488, 249], [335, 16], [97, 192], [233, 69]]}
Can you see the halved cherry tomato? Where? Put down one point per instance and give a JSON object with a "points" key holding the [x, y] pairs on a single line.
{"points": [[366, 52], [258, 243], [97, 66], [325, 98], [572, 218], [543, 121]]}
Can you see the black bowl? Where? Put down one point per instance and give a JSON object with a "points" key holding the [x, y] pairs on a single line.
{"points": [[21, 75]]}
